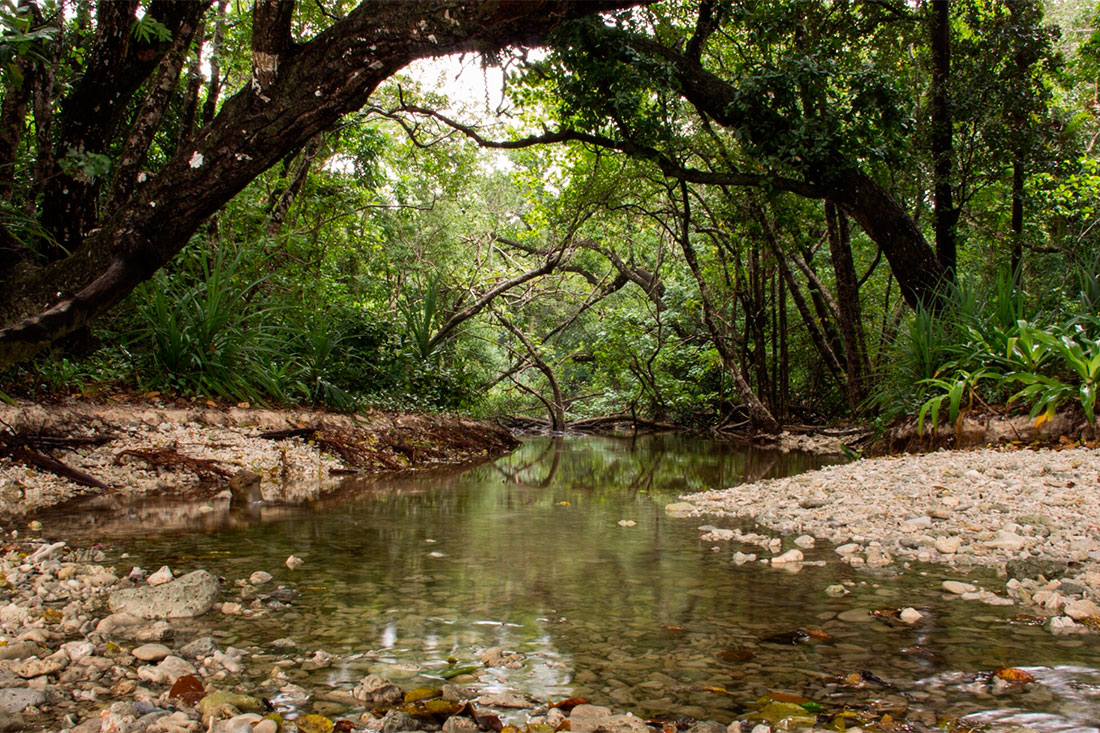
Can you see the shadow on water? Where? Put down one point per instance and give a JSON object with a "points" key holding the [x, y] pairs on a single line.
{"points": [[536, 553]]}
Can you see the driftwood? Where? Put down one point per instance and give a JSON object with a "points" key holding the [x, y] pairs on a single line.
{"points": [[158, 458], [287, 434], [24, 448]]}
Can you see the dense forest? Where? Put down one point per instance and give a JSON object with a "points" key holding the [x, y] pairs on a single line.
{"points": [[723, 213]]}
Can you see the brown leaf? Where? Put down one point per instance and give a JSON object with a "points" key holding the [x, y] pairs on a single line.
{"points": [[569, 703], [1015, 675], [187, 688], [819, 634], [787, 697]]}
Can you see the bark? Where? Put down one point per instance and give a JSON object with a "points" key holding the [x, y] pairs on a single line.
{"points": [[836, 370], [848, 307], [90, 114], [148, 118], [944, 213], [331, 75], [213, 90], [555, 406], [270, 42], [189, 107], [759, 414], [282, 204], [881, 216]]}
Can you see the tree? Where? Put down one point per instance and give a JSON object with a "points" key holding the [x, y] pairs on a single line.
{"points": [[101, 238]]}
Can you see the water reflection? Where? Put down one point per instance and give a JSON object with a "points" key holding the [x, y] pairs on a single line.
{"points": [[527, 553]]}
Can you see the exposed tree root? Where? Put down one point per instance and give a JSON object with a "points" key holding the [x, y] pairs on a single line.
{"points": [[22, 448], [172, 459]]}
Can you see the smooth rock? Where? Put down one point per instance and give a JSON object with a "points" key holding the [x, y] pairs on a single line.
{"points": [[911, 615], [1084, 608], [836, 590], [190, 595], [805, 541], [947, 545], [1009, 541], [504, 700], [958, 587], [151, 652], [788, 556], [17, 699], [162, 576], [849, 548], [293, 562], [259, 577], [19, 649], [679, 509]]}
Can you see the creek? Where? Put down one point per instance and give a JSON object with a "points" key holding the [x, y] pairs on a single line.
{"points": [[562, 552]]}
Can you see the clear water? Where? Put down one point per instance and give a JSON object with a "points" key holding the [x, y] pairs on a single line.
{"points": [[526, 553]]}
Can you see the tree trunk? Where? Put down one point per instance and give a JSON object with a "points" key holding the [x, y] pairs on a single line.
{"points": [[847, 292], [758, 412], [331, 75], [944, 213]]}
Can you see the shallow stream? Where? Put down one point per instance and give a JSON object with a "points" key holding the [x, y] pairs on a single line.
{"points": [[412, 577]]}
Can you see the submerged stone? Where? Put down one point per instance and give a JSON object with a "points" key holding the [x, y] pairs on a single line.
{"points": [[190, 595]]}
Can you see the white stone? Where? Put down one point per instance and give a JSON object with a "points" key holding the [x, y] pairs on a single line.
{"points": [[293, 562], [151, 652], [259, 577], [1009, 541], [850, 548], [911, 615], [947, 545], [627, 523], [788, 556], [1084, 608], [805, 541], [162, 576], [958, 587]]}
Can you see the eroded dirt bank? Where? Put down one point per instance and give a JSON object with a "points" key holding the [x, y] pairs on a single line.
{"points": [[144, 447]]}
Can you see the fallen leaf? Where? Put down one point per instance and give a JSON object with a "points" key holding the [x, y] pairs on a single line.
{"points": [[188, 689], [819, 634], [788, 697], [569, 703], [1015, 675]]}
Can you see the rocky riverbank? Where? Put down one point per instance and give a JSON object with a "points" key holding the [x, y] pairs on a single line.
{"points": [[134, 448], [1032, 515]]}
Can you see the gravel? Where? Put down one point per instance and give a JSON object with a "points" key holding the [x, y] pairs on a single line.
{"points": [[1029, 512]]}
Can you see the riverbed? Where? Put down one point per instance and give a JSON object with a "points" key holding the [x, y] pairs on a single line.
{"points": [[558, 572]]}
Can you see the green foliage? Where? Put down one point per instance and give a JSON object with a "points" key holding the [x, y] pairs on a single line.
{"points": [[20, 39], [219, 336]]}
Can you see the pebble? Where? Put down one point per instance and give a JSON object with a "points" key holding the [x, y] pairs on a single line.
{"points": [[293, 562], [805, 541], [161, 576], [948, 545], [151, 652], [1085, 608], [911, 615], [790, 556], [259, 577], [958, 587]]}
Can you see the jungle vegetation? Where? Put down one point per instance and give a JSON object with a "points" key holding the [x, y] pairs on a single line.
{"points": [[714, 213]]}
